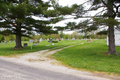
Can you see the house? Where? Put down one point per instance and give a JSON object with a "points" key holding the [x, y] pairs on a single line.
{"points": [[117, 37]]}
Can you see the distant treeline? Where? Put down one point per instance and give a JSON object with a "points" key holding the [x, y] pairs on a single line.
{"points": [[53, 36]]}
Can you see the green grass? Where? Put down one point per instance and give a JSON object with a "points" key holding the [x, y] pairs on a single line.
{"points": [[90, 57], [7, 49]]}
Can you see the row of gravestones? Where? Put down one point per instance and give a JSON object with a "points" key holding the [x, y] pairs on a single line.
{"points": [[31, 41], [61, 39], [89, 40], [6, 41]]}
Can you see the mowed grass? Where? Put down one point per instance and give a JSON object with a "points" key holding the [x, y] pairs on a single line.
{"points": [[8, 49], [90, 57]]}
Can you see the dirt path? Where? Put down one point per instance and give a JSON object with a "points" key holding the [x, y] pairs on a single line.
{"points": [[41, 59]]}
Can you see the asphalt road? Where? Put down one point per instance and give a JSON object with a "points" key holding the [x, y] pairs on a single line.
{"points": [[13, 71]]}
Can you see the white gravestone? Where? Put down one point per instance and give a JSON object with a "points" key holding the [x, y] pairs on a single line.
{"points": [[41, 40], [31, 41]]}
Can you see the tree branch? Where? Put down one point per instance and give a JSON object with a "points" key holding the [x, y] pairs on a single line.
{"points": [[9, 22], [107, 6]]}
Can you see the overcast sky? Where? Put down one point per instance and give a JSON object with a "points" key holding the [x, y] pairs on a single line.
{"points": [[70, 2]]}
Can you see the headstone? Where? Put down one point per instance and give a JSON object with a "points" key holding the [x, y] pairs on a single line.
{"points": [[62, 39], [40, 40], [57, 39], [88, 40], [47, 39], [25, 44], [37, 41], [31, 41], [50, 40], [73, 38], [5, 41]]}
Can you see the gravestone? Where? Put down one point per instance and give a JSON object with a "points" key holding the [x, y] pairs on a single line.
{"points": [[25, 44], [6, 42], [50, 40], [37, 41], [47, 39], [62, 39], [73, 38], [40, 40], [88, 40], [31, 41], [57, 39]]}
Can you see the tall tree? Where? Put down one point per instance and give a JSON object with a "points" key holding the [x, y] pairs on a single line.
{"points": [[112, 10], [17, 18]]}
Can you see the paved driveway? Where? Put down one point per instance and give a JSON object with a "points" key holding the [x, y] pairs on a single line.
{"points": [[12, 71]]}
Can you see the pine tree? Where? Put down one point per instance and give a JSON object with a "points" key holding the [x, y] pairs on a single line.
{"points": [[17, 18], [112, 11]]}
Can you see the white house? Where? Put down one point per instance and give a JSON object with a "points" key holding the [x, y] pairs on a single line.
{"points": [[117, 38]]}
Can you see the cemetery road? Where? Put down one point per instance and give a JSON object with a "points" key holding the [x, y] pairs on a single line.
{"points": [[14, 71], [39, 66]]}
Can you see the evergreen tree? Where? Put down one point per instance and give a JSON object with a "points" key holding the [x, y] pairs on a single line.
{"points": [[17, 18], [112, 10]]}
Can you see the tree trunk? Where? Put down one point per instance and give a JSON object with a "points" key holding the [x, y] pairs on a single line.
{"points": [[18, 42], [111, 40]]}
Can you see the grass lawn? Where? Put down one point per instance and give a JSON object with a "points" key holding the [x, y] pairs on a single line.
{"points": [[90, 57], [7, 49]]}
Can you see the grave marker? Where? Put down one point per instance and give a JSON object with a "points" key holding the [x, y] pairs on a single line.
{"points": [[50, 40], [31, 41]]}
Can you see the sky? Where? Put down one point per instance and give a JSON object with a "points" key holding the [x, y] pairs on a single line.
{"points": [[68, 3]]}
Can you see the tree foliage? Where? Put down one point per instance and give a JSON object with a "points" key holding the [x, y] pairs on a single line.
{"points": [[104, 32], [111, 10], [17, 18]]}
